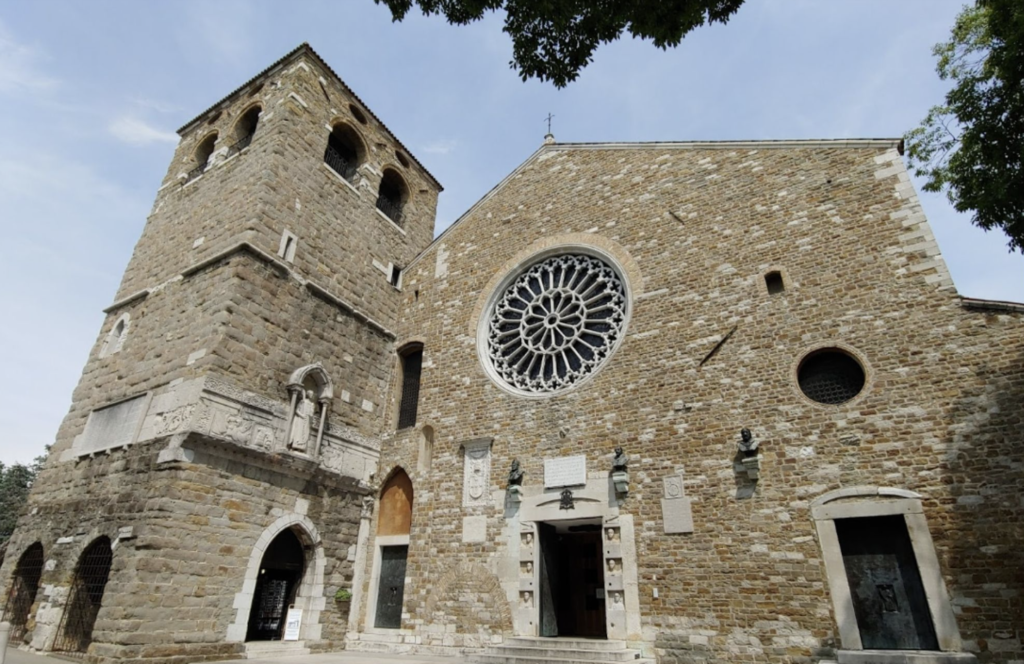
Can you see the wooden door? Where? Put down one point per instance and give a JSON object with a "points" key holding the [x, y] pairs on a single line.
{"points": [[391, 586], [888, 596]]}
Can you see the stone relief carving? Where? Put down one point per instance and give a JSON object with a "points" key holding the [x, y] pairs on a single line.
{"points": [[477, 473], [265, 439], [174, 420]]}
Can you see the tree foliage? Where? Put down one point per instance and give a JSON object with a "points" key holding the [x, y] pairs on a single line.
{"points": [[15, 481], [553, 40], [972, 146]]}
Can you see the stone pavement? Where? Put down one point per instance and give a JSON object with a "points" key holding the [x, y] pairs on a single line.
{"points": [[348, 657], [15, 656]]}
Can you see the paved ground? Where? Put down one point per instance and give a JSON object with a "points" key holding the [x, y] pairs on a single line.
{"points": [[15, 656], [351, 658]]}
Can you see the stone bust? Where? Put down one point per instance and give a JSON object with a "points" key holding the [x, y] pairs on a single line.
{"points": [[747, 443], [620, 461], [515, 476]]}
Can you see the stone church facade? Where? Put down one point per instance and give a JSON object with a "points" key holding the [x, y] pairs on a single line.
{"points": [[702, 402]]}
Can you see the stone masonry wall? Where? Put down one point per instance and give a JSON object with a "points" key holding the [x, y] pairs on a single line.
{"points": [[696, 229], [175, 574], [280, 182], [216, 306]]}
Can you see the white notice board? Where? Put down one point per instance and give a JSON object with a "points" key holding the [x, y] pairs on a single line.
{"points": [[292, 624]]}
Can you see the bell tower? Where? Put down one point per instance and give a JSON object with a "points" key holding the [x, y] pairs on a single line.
{"points": [[232, 405]]}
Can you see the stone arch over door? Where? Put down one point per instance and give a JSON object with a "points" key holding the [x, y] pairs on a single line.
{"points": [[309, 597]]}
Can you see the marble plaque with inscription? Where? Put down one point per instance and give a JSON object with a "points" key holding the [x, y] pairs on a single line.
{"points": [[677, 515], [565, 471]]}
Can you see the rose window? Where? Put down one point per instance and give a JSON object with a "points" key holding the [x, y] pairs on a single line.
{"points": [[556, 323]]}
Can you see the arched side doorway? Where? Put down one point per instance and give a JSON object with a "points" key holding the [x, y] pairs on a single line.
{"points": [[85, 598], [391, 553], [276, 586], [24, 585], [308, 595]]}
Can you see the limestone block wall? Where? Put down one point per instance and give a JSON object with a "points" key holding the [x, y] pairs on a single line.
{"points": [[280, 183], [695, 229], [185, 540]]}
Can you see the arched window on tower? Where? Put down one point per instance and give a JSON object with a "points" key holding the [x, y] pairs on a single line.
{"points": [[201, 157], [392, 195], [245, 129], [345, 151], [116, 336]]}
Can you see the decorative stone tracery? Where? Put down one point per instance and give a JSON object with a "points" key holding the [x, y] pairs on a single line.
{"points": [[556, 323]]}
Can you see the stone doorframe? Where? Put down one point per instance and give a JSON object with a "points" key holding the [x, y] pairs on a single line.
{"points": [[379, 543], [594, 502], [309, 597], [869, 501]]}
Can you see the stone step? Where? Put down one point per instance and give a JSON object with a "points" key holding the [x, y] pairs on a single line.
{"points": [[563, 643], [530, 654], [275, 649], [538, 650], [555, 657]]}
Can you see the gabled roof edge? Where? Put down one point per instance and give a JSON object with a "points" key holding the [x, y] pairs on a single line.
{"points": [[481, 201], [875, 143]]}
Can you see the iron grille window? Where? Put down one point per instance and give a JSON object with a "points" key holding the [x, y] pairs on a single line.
{"points": [[242, 143], [390, 207], [341, 158], [75, 632], [195, 172], [831, 377], [24, 586], [412, 364]]}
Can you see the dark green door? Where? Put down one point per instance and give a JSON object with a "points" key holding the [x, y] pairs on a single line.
{"points": [[391, 588], [888, 596]]}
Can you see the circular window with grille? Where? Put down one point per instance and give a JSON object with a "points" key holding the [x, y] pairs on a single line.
{"points": [[830, 376], [554, 323]]}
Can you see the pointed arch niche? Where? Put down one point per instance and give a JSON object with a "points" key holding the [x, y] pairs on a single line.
{"points": [[394, 521], [311, 391]]}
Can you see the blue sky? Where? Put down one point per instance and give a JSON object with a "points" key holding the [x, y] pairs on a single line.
{"points": [[91, 93]]}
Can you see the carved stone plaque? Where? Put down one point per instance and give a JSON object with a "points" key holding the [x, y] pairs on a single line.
{"points": [[476, 478], [565, 471], [677, 515], [674, 486]]}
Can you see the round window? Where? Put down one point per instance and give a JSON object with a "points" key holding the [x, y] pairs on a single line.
{"points": [[555, 323], [830, 376]]}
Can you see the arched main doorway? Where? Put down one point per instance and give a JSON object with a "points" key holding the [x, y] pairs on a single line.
{"points": [[276, 586], [24, 585], [85, 598]]}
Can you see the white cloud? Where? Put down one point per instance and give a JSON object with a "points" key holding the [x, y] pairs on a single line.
{"points": [[445, 146], [155, 105], [18, 70], [134, 131]]}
